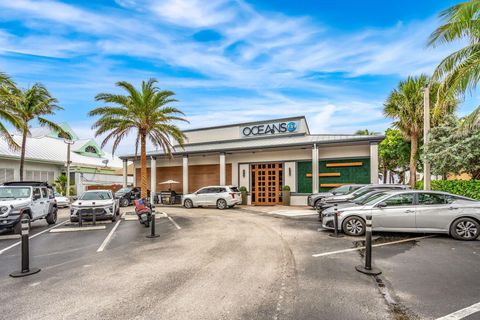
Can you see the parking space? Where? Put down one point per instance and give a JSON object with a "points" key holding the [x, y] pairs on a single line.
{"points": [[235, 264]]}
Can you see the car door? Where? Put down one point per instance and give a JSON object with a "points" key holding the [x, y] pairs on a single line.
{"points": [[201, 197], [432, 212], [398, 214], [38, 203], [46, 200]]}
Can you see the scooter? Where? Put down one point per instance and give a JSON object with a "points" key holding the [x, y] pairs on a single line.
{"points": [[144, 213]]}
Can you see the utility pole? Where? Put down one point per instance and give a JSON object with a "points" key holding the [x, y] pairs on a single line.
{"points": [[69, 143], [426, 137]]}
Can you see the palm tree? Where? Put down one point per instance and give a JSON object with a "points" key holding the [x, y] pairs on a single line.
{"points": [[471, 122], [31, 104], [460, 71], [366, 132], [6, 111], [405, 106], [147, 112]]}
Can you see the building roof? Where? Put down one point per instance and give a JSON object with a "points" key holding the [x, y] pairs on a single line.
{"points": [[45, 148], [266, 143]]}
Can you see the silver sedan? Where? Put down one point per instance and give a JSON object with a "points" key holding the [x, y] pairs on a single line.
{"points": [[411, 211]]}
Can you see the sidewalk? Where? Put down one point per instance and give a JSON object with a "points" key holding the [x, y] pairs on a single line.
{"points": [[285, 211]]}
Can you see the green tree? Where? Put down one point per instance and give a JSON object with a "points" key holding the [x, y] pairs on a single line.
{"points": [[366, 132], [454, 150], [61, 185], [28, 105], [7, 113], [460, 70], [405, 106], [147, 112], [394, 153]]}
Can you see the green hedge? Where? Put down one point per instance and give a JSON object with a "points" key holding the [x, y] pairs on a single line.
{"points": [[467, 188]]}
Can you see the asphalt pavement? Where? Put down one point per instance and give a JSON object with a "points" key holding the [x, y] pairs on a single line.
{"points": [[233, 264]]}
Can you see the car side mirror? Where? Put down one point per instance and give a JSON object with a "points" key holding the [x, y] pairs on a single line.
{"points": [[75, 198], [382, 205]]}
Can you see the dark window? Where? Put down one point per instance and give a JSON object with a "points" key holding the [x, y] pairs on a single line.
{"points": [[430, 199], [404, 199], [91, 149], [234, 189], [203, 191], [44, 193], [36, 193], [220, 190]]}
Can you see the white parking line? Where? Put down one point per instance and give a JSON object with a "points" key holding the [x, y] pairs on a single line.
{"points": [[463, 313], [107, 239], [78, 229], [31, 237], [172, 221], [10, 237], [375, 245]]}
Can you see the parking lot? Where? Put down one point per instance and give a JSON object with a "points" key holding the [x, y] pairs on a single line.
{"points": [[234, 264]]}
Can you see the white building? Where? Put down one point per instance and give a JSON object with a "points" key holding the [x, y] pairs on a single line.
{"points": [[46, 158], [264, 156]]}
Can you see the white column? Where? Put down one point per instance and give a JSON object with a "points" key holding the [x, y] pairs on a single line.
{"points": [[125, 173], [315, 180], [222, 170], [185, 174], [153, 178], [374, 162]]}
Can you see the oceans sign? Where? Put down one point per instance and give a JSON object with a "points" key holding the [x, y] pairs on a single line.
{"points": [[270, 129]]}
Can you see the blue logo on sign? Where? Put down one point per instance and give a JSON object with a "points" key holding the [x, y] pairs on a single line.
{"points": [[291, 127]]}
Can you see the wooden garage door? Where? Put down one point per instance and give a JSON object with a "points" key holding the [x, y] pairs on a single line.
{"points": [[198, 176]]}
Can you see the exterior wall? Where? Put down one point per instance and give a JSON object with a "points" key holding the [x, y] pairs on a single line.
{"points": [[30, 166], [362, 150]]}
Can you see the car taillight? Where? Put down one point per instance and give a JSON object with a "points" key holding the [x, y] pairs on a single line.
{"points": [[232, 194]]}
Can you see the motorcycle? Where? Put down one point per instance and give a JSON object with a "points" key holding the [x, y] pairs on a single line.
{"points": [[144, 212]]}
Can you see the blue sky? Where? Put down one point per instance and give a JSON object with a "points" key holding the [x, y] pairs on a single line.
{"points": [[228, 61]]}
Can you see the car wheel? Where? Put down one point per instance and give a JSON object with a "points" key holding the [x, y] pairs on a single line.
{"points": [[18, 227], [124, 202], [188, 204], [221, 204], [465, 229], [353, 226], [52, 216]]}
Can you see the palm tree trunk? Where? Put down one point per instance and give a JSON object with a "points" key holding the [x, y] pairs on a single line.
{"points": [[143, 165], [22, 154], [413, 165]]}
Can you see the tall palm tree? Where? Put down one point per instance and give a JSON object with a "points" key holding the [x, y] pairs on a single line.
{"points": [[6, 111], [405, 106], [147, 112], [460, 71], [28, 105]]}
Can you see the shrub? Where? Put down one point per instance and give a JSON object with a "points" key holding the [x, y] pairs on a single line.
{"points": [[467, 188], [243, 189], [286, 188]]}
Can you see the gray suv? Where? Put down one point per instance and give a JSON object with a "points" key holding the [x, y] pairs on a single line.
{"points": [[313, 200]]}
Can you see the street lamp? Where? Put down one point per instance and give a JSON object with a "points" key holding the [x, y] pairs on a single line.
{"points": [[69, 143], [426, 138]]}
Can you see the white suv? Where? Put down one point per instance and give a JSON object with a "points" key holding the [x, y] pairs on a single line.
{"points": [[220, 196]]}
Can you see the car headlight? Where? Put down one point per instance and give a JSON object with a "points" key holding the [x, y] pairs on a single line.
{"points": [[3, 210]]}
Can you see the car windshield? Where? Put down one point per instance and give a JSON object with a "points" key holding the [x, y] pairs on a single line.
{"points": [[125, 190], [96, 195], [366, 199], [14, 192]]}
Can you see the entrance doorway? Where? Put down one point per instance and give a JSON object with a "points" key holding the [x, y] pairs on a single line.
{"points": [[267, 181]]}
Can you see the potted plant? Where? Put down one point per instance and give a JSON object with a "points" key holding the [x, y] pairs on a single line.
{"points": [[286, 195], [244, 192]]}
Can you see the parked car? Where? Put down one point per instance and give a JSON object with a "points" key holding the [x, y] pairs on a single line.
{"points": [[100, 202], [126, 196], [220, 196], [30, 200], [412, 211], [62, 201], [326, 202], [313, 200]]}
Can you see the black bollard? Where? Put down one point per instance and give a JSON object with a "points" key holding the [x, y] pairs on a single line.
{"points": [[26, 270], [335, 233], [367, 269], [80, 222], [152, 224]]}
